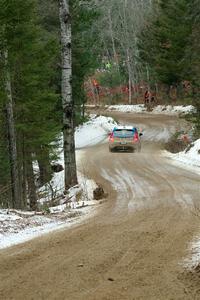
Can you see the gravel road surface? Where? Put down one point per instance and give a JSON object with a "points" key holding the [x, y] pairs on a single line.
{"points": [[133, 248]]}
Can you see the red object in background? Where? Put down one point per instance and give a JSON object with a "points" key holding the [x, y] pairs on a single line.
{"points": [[185, 138], [96, 86], [103, 91], [147, 97], [95, 83], [147, 94]]}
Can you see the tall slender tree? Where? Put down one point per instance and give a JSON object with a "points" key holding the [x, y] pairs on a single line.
{"points": [[66, 93], [124, 21], [15, 184]]}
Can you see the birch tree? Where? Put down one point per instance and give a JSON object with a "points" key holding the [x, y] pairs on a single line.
{"points": [[121, 23], [66, 93]]}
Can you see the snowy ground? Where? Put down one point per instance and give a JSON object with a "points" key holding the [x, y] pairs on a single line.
{"points": [[159, 109], [94, 131], [89, 134], [190, 158], [193, 259], [15, 229], [19, 226]]}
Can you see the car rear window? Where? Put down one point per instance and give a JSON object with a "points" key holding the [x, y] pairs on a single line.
{"points": [[124, 132]]}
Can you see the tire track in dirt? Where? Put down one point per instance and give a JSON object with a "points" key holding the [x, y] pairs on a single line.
{"points": [[131, 249]]}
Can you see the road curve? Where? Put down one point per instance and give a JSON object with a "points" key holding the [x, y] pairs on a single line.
{"points": [[133, 248]]}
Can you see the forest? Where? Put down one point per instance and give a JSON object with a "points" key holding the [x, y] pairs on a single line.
{"points": [[49, 53]]}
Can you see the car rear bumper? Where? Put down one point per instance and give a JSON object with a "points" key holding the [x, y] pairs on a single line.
{"points": [[124, 146]]}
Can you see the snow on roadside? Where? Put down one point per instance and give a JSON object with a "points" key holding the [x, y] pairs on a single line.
{"points": [[94, 131], [159, 109], [27, 229], [20, 226], [138, 108], [169, 109], [190, 158], [90, 133], [193, 260]]}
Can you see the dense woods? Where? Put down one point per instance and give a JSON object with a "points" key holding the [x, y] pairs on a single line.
{"points": [[130, 42], [28, 100], [169, 44], [151, 45], [30, 92]]}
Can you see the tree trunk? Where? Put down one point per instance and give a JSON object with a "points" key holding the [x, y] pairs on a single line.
{"points": [[112, 39], [83, 110], [129, 78], [44, 165], [45, 171], [168, 92], [148, 76], [66, 91], [16, 194], [93, 93], [31, 181], [21, 149]]}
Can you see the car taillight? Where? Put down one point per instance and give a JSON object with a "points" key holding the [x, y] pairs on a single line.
{"points": [[136, 137], [111, 139]]}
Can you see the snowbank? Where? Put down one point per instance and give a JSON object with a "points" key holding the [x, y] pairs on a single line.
{"points": [[159, 109], [139, 108], [193, 260], [89, 134], [190, 158], [94, 131], [13, 232], [19, 226], [174, 110]]}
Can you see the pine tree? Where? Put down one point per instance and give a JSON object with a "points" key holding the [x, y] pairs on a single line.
{"points": [[163, 43], [32, 35], [85, 50], [31, 58], [192, 60]]}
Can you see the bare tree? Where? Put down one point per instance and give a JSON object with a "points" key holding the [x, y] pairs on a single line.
{"points": [[66, 92], [120, 25]]}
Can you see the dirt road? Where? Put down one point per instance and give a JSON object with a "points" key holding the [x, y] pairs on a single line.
{"points": [[133, 248]]}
